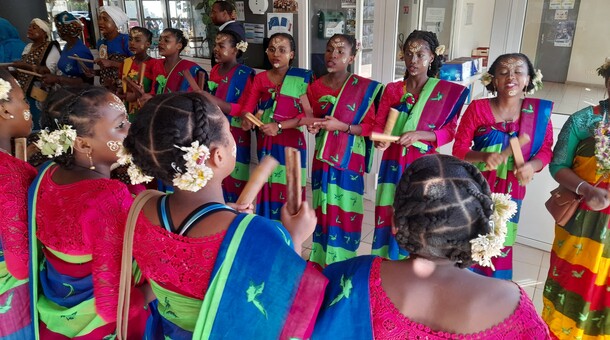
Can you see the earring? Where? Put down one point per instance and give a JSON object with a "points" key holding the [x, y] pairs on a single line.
{"points": [[91, 166], [11, 116]]}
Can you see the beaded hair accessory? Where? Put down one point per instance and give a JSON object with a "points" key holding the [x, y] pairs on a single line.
{"points": [[5, 89], [484, 247]]}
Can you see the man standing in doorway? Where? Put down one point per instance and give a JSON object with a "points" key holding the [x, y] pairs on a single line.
{"points": [[224, 16]]}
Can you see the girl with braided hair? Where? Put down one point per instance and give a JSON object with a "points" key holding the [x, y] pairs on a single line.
{"points": [[577, 291], [217, 273], [428, 113], [442, 205], [486, 128], [15, 178], [77, 217]]}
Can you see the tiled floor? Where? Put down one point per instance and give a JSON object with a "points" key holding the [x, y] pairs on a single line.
{"points": [[570, 98], [530, 265]]}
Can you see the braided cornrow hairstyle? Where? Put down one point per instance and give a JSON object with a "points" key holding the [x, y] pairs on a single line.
{"points": [[432, 40], [171, 120], [75, 106], [441, 203], [179, 35], [530, 69]]}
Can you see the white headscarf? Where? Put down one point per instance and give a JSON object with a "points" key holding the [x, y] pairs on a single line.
{"points": [[43, 26], [116, 13]]}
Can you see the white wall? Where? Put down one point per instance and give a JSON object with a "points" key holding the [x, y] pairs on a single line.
{"points": [[468, 37], [531, 29], [590, 42]]}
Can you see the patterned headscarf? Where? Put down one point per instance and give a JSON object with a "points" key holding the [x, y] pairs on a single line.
{"points": [[43, 26], [68, 25]]}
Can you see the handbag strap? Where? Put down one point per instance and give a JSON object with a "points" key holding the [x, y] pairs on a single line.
{"points": [[127, 261]]}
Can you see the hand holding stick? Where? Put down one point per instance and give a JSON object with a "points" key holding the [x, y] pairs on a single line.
{"points": [[514, 149], [293, 180], [253, 119], [134, 86], [389, 124], [258, 178], [192, 83]]}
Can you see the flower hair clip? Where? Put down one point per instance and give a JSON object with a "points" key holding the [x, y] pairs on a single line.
{"points": [[197, 173], [439, 50], [484, 247], [358, 45], [5, 89], [602, 70], [242, 46], [58, 142], [486, 78], [136, 175], [537, 81]]}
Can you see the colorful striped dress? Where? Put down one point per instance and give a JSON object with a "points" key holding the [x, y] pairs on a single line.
{"points": [[577, 291], [479, 131], [279, 103], [436, 109], [217, 287], [230, 87], [337, 173], [174, 81], [76, 239], [15, 178]]}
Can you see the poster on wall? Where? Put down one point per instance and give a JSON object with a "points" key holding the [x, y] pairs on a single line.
{"points": [[434, 14], [348, 3], [285, 6], [279, 23], [240, 8], [564, 33], [561, 14], [254, 33], [561, 4]]}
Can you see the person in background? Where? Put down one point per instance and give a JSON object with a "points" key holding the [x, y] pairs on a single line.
{"points": [[229, 85], [11, 47], [224, 16], [577, 291], [428, 111], [140, 40], [113, 47], [485, 130], [39, 56], [70, 71], [447, 218], [345, 103], [281, 94], [16, 175]]}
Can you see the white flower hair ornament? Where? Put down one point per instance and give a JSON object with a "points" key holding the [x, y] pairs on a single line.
{"points": [[187, 48], [58, 142], [242, 46], [5, 89], [197, 173], [537, 81], [486, 78], [136, 175], [484, 247], [440, 50]]}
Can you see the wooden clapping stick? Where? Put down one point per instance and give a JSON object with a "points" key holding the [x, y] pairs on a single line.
{"points": [[134, 86], [21, 148], [293, 180], [189, 78], [141, 74], [389, 124], [77, 58], [258, 178], [514, 148], [380, 137], [253, 119], [29, 72]]}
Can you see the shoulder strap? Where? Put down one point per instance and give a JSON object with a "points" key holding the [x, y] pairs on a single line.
{"points": [[199, 214], [126, 261]]}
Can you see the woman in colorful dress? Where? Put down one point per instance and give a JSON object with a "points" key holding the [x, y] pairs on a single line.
{"points": [[485, 130], [443, 208], [428, 110], [15, 177], [281, 93], [229, 80], [202, 258], [70, 71], [168, 76], [40, 56], [345, 102], [77, 218], [577, 290], [113, 47], [140, 40]]}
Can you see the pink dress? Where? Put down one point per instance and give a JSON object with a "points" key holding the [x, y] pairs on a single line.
{"points": [[389, 323]]}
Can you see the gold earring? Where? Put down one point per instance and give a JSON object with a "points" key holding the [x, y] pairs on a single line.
{"points": [[91, 166]]}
